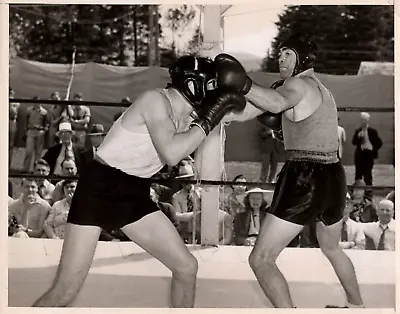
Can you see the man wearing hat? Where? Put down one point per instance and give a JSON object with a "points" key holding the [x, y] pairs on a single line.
{"points": [[95, 138], [186, 202], [56, 154]]}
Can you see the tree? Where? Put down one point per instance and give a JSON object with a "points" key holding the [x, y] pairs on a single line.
{"points": [[196, 42], [177, 20], [112, 34], [345, 35]]}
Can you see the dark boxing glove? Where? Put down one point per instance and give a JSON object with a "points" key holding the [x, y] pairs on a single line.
{"points": [[231, 74], [273, 120], [216, 105]]}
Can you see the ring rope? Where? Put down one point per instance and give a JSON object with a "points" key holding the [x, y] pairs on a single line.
{"points": [[114, 104], [186, 181]]}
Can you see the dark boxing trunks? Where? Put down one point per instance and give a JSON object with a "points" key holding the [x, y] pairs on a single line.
{"points": [[109, 198], [308, 190]]}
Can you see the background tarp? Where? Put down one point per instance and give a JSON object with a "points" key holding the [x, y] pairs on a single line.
{"points": [[99, 82]]}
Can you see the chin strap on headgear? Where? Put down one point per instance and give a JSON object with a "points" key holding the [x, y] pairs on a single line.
{"points": [[305, 49]]}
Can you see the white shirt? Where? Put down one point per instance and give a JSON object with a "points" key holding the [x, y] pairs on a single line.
{"points": [[374, 231], [354, 234], [341, 139]]}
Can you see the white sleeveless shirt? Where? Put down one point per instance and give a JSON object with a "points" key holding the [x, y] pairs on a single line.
{"points": [[134, 152]]}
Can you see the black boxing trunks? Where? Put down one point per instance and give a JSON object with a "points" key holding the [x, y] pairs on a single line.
{"points": [[310, 191], [109, 198]]}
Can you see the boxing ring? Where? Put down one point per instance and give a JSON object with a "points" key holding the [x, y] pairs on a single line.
{"points": [[125, 276]]}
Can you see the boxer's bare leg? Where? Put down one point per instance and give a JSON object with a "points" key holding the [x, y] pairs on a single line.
{"points": [[274, 236], [157, 235], [76, 258], [328, 239]]}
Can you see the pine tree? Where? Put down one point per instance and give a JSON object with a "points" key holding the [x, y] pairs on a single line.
{"points": [[345, 35]]}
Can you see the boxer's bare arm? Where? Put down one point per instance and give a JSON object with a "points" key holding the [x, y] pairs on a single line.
{"points": [[249, 113], [170, 145], [275, 101]]}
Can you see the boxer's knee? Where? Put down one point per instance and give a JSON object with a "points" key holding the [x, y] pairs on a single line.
{"points": [[261, 258], [186, 269]]}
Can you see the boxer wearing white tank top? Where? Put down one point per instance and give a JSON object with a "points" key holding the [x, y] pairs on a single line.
{"points": [[113, 190]]}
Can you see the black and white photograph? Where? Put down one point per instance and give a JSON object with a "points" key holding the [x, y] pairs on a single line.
{"points": [[201, 156]]}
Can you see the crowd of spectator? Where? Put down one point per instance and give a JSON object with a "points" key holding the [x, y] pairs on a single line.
{"points": [[41, 210]]}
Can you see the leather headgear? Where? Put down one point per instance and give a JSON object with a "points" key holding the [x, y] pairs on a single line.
{"points": [[192, 76], [305, 49]]}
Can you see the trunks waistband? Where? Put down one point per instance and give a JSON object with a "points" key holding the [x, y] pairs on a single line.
{"points": [[319, 157]]}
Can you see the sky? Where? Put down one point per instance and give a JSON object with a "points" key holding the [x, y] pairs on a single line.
{"points": [[249, 29]]}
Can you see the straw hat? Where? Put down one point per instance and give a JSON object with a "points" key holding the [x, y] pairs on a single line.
{"points": [[185, 172], [97, 130], [258, 190], [64, 127]]}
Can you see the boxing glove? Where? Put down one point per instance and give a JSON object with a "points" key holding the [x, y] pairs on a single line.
{"points": [[216, 105], [271, 120], [231, 74]]}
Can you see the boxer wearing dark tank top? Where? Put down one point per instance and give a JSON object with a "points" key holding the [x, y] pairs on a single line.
{"points": [[312, 184]]}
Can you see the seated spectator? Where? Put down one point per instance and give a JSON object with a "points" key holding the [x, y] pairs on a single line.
{"points": [[79, 116], [390, 197], [248, 223], [166, 208], [352, 236], [164, 193], [56, 154], [30, 211], [382, 233], [38, 123], [94, 140], [236, 199], [54, 225], [68, 170], [46, 189], [364, 209]]}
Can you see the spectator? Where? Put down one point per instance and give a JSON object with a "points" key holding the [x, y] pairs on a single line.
{"points": [[185, 202], [164, 193], [270, 153], [69, 170], [248, 223], [56, 154], [38, 124], [79, 117], [382, 233], [46, 189], [236, 199], [12, 126], [341, 139], [57, 114], [10, 189], [390, 197], [126, 102], [30, 211], [95, 138], [166, 208], [352, 233], [364, 209], [368, 143], [54, 225]]}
